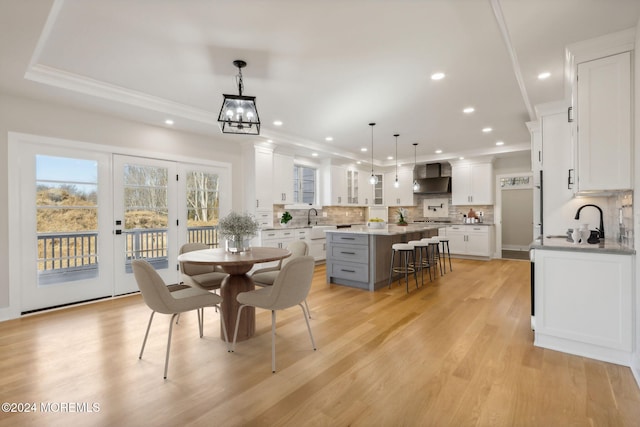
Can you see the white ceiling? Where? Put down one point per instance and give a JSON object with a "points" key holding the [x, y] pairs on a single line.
{"points": [[324, 68]]}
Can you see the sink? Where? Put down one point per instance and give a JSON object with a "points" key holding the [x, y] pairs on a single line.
{"points": [[317, 231]]}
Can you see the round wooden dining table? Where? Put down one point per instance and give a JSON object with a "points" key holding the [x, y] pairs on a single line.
{"points": [[236, 265]]}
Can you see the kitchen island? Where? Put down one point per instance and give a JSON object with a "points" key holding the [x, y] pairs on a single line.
{"points": [[583, 298], [359, 256]]}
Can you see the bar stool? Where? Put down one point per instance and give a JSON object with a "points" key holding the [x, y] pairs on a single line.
{"points": [[422, 248], [434, 252], [445, 242], [406, 267]]}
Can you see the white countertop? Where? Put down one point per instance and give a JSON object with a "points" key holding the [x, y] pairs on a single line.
{"points": [[609, 246], [388, 230]]}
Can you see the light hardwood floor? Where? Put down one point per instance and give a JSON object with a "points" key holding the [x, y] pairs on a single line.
{"points": [[457, 352]]}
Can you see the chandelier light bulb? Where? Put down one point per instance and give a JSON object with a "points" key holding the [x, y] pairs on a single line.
{"points": [[416, 186], [373, 180], [396, 184]]}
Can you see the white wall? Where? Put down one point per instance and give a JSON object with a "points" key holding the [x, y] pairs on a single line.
{"points": [[24, 115]]}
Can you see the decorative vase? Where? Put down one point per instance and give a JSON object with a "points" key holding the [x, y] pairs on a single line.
{"points": [[284, 224], [237, 244]]}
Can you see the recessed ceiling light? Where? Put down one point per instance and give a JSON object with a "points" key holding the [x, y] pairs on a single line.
{"points": [[544, 75], [437, 76], [168, 122], [358, 162], [468, 110], [277, 123], [500, 143], [269, 140], [314, 154], [461, 158], [487, 130], [363, 149], [389, 157], [438, 151], [329, 138]]}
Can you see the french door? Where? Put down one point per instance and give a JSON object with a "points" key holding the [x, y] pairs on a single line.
{"points": [[63, 229], [81, 217], [145, 220]]}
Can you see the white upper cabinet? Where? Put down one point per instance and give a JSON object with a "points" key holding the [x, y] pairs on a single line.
{"points": [[353, 186], [366, 189], [334, 186], [263, 178], [282, 179], [403, 195], [472, 183], [603, 95]]}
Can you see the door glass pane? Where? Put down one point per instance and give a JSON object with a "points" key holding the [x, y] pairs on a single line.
{"points": [[66, 219], [146, 214], [202, 207]]}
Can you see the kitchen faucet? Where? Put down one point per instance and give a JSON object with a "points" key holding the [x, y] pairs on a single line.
{"points": [[601, 229], [309, 215]]}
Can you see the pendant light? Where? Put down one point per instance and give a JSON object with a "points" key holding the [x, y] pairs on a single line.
{"points": [[416, 186], [373, 179], [396, 183], [238, 113]]}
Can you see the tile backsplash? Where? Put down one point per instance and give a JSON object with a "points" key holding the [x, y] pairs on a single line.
{"points": [[342, 215]]}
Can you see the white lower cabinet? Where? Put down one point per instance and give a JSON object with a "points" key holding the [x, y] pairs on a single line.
{"points": [[473, 240], [265, 218], [318, 249], [584, 304], [277, 238]]}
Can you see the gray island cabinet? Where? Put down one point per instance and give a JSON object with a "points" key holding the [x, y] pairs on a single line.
{"points": [[360, 257]]}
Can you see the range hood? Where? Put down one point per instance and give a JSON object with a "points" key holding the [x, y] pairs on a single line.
{"points": [[434, 183]]}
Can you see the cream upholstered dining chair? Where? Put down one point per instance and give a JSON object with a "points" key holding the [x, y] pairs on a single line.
{"points": [[290, 288], [267, 276], [207, 277], [159, 299]]}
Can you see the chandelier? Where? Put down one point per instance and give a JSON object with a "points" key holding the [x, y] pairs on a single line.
{"points": [[238, 113], [373, 179]]}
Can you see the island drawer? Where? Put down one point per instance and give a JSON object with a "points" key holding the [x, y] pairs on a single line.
{"points": [[350, 253], [354, 239], [354, 272]]}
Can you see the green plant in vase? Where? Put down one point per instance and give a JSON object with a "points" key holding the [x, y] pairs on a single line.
{"points": [[402, 216], [285, 218]]}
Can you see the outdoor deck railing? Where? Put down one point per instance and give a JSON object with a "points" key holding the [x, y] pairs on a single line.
{"points": [[78, 251]]}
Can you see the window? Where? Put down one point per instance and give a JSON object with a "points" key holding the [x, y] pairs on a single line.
{"points": [[304, 185], [66, 218], [203, 206]]}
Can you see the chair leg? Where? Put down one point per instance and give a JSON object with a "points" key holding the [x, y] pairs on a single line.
{"points": [[273, 340], [144, 342], [235, 331], [166, 361], [313, 343], [307, 306], [200, 321]]}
